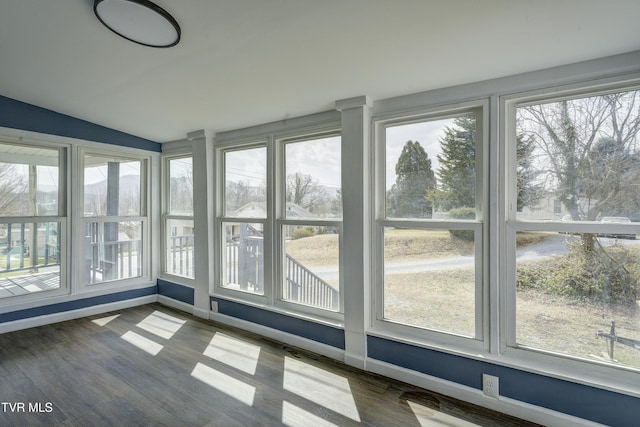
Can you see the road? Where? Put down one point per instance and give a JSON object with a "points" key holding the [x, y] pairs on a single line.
{"points": [[553, 246]]}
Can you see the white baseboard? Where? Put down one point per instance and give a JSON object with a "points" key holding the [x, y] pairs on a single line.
{"points": [[178, 305], [284, 337], [201, 313], [516, 408], [47, 319]]}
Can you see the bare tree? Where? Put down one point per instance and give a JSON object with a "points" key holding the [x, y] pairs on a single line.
{"points": [[13, 186], [304, 191], [586, 151]]}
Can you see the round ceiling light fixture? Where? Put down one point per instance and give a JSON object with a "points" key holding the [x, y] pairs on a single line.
{"points": [[140, 21]]}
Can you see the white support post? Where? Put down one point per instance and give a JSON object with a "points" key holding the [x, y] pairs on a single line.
{"points": [[356, 155], [203, 208]]}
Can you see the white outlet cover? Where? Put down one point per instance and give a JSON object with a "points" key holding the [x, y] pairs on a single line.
{"points": [[491, 386]]}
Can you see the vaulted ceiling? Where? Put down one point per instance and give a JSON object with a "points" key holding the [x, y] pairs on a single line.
{"points": [[246, 62]]}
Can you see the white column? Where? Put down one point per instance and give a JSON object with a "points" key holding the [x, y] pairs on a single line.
{"points": [[203, 208], [356, 195]]}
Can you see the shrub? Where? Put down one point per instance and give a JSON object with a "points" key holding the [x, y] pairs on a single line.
{"points": [[462, 213], [602, 275], [302, 232]]}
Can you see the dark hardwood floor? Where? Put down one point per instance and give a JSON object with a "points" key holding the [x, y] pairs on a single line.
{"points": [[152, 365]]}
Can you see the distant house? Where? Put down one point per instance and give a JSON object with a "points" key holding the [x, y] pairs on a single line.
{"points": [[259, 210], [550, 208]]}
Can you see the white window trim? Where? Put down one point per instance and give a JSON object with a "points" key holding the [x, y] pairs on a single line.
{"points": [[422, 336]]}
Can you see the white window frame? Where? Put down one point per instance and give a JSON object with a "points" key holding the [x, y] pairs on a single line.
{"points": [[424, 336], [167, 216], [273, 137], [614, 377], [281, 221], [144, 218], [64, 175], [219, 235]]}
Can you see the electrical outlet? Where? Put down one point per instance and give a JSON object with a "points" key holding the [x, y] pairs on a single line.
{"points": [[214, 306], [490, 386]]}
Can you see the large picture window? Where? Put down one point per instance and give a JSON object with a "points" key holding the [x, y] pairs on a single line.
{"points": [[32, 218], [575, 163], [429, 223], [114, 218]]}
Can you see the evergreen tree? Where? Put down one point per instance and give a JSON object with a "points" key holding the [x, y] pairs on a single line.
{"points": [[408, 197], [457, 174]]}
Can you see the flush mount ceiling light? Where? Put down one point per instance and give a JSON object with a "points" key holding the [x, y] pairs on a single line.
{"points": [[140, 21]]}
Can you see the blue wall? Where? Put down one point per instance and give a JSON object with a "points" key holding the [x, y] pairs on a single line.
{"points": [[314, 331], [175, 291], [582, 401], [77, 304], [19, 115]]}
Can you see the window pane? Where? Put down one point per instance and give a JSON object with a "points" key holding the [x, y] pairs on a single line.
{"points": [[28, 181], [179, 256], [429, 279], [181, 186], [577, 294], [112, 186], [113, 251], [579, 159], [313, 178], [29, 258], [311, 266], [243, 257], [430, 169], [245, 181]]}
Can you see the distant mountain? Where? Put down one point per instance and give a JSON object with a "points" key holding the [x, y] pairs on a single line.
{"points": [[128, 184]]}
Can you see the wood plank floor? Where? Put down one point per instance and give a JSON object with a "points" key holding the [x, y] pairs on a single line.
{"points": [[152, 365]]}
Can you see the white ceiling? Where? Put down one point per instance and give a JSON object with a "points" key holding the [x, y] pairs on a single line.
{"points": [[246, 62]]}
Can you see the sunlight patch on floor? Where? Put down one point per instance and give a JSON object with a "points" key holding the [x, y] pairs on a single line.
{"points": [[143, 343], [228, 385], [234, 352], [104, 320], [161, 324], [294, 416], [319, 386], [428, 417]]}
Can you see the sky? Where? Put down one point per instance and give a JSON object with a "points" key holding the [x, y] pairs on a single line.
{"points": [[321, 158]]}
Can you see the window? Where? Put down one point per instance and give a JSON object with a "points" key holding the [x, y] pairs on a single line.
{"points": [[244, 218], [429, 224], [574, 284], [310, 222], [178, 218], [280, 226], [114, 217], [32, 219]]}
